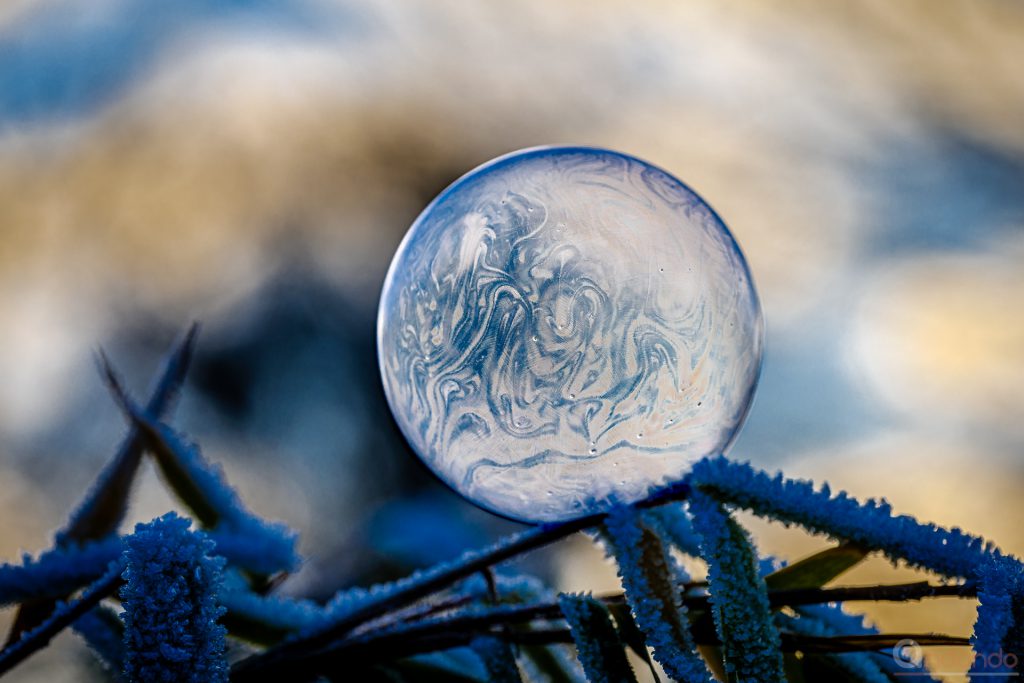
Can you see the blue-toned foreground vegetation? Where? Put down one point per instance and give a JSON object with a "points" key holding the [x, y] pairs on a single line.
{"points": [[194, 600]]}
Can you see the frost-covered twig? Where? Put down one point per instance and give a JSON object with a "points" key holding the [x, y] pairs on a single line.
{"points": [[650, 577], [739, 596], [102, 629], [104, 506], [61, 571], [57, 572], [203, 487], [599, 647], [63, 616], [395, 643], [999, 632], [948, 551], [425, 583]]}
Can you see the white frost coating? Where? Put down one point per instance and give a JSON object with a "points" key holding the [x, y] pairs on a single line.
{"points": [[566, 327]]}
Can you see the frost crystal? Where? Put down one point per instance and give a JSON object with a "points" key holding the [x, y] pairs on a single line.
{"points": [[170, 606], [648, 576], [872, 524], [739, 596]]}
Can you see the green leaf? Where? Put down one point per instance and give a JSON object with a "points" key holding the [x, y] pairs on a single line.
{"points": [[598, 645], [818, 569]]}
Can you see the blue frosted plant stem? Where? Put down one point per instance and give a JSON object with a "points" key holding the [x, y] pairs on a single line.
{"points": [[104, 506], [273, 615], [171, 612], [62, 616], [872, 524], [738, 484], [395, 641], [57, 572], [63, 570], [998, 638], [598, 645], [859, 664], [497, 658], [203, 487], [738, 594], [829, 620], [102, 629], [422, 584], [675, 525], [648, 577], [404, 639], [406, 591], [267, 550], [464, 616]]}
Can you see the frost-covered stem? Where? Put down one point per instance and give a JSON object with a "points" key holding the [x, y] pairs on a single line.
{"points": [[599, 647], [870, 524], [39, 637], [738, 594], [998, 637], [497, 657], [62, 571], [792, 597], [58, 572], [104, 505], [431, 581], [540, 611], [445, 633], [267, 547], [650, 578], [437, 579]]}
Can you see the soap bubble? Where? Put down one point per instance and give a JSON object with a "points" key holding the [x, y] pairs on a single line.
{"points": [[567, 327]]}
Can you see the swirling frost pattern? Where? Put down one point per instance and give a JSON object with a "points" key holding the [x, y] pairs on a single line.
{"points": [[566, 327]]}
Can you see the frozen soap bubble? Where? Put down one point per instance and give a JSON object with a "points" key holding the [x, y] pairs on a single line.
{"points": [[564, 327]]}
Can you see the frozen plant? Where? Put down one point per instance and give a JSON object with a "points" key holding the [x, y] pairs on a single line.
{"points": [[169, 600]]}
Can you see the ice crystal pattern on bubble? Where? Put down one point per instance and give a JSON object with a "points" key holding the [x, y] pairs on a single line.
{"points": [[567, 326]]}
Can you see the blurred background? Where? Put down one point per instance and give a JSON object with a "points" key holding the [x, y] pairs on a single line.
{"points": [[253, 165]]}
